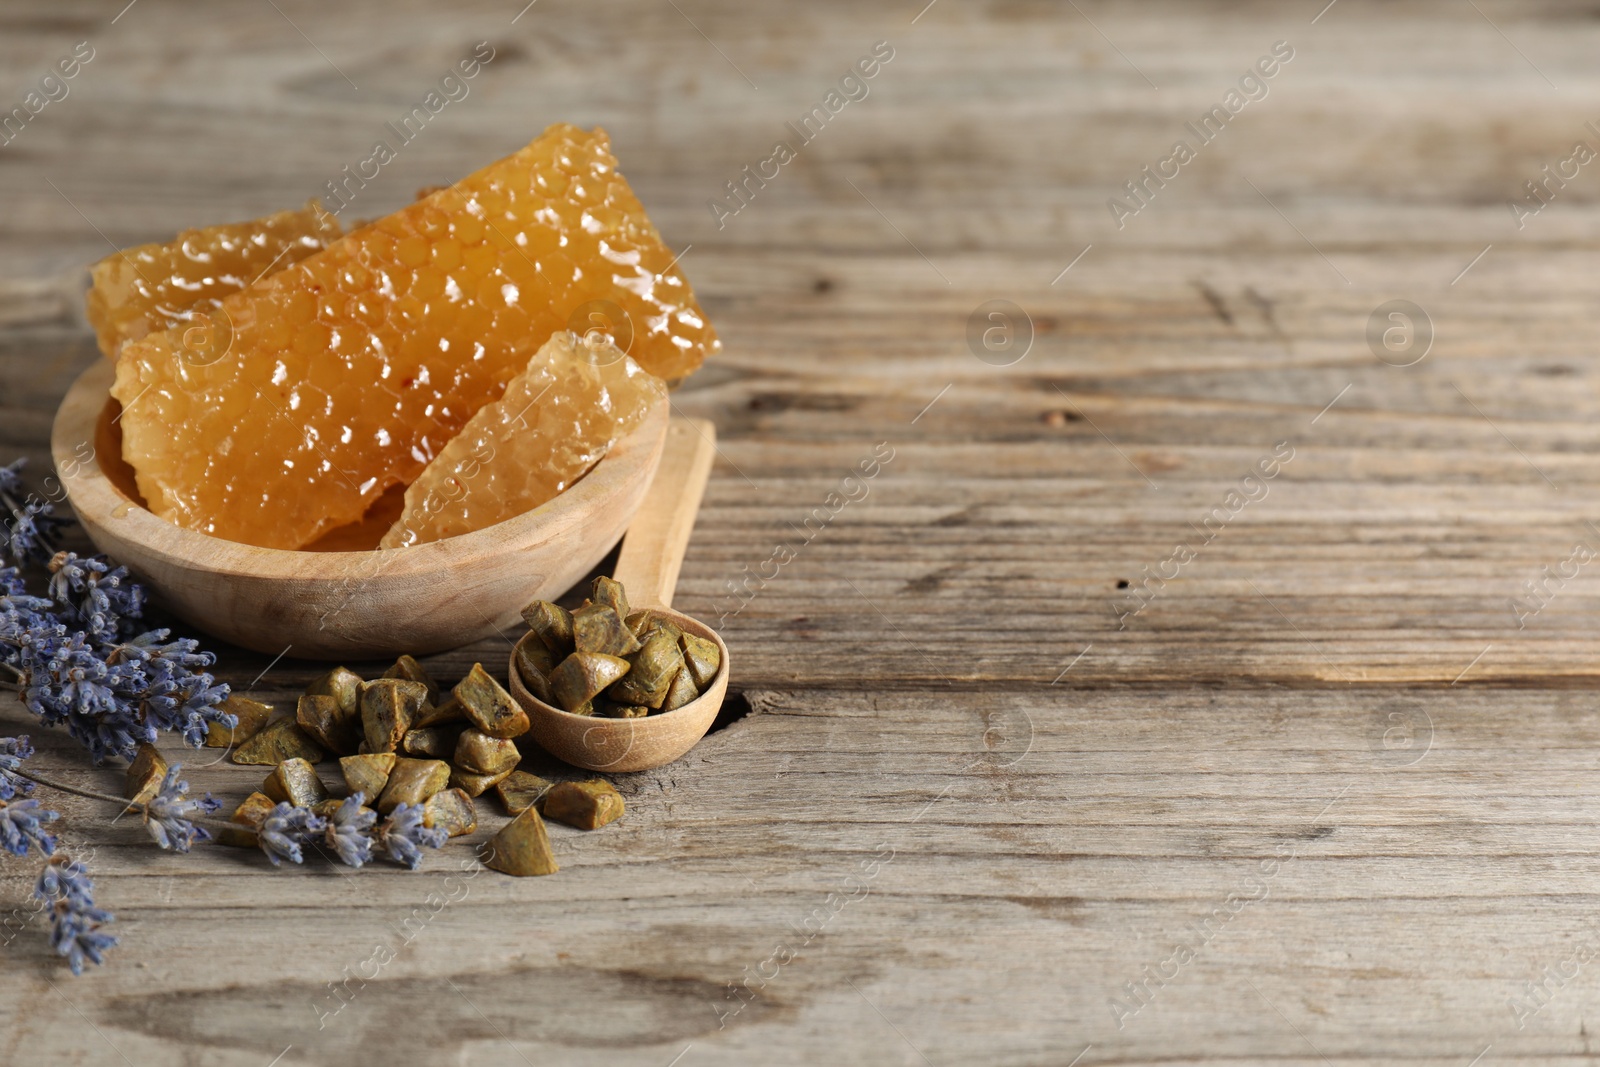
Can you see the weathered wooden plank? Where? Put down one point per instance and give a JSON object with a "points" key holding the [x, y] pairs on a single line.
{"points": [[1050, 849]]}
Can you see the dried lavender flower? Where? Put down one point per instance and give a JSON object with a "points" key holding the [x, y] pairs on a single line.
{"points": [[11, 477], [12, 583], [349, 832], [94, 595], [403, 834], [13, 750], [286, 829], [75, 922], [169, 814], [80, 657], [22, 824], [175, 698], [31, 533], [159, 644], [66, 681]]}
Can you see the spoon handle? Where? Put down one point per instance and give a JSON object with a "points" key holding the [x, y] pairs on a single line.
{"points": [[658, 537]]}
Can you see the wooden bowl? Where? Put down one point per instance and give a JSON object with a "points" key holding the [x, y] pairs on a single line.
{"points": [[620, 745], [351, 604]]}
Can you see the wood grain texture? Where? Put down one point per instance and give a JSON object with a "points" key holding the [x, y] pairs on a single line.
{"points": [[970, 804]]}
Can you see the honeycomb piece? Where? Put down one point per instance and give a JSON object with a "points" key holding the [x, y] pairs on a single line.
{"points": [[310, 393], [156, 287], [577, 397]]}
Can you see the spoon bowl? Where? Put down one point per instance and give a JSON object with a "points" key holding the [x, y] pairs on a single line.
{"points": [[647, 567], [620, 745]]}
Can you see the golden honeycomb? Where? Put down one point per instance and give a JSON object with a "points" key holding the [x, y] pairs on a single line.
{"points": [[295, 403], [155, 287], [555, 421]]}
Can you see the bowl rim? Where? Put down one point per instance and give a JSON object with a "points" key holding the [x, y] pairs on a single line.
{"points": [[95, 497], [648, 722]]}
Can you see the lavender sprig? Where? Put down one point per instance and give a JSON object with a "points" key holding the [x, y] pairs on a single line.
{"points": [[286, 829], [95, 596], [349, 832], [170, 814], [22, 825], [75, 922], [31, 528], [22, 822], [13, 750], [31, 533], [65, 681], [404, 836], [81, 657], [11, 478]]}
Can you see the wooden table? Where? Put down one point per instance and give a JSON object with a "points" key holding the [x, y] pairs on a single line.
{"points": [[1326, 796]]}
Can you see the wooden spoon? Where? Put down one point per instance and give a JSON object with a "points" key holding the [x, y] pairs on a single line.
{"points": [[647, 567]]}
